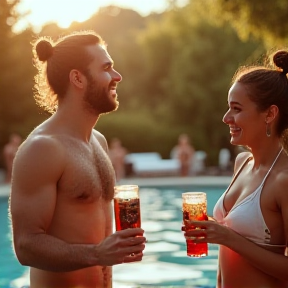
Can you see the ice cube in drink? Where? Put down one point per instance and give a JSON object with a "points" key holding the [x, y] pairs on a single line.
{"points": [[194, 208], [127, 213]]}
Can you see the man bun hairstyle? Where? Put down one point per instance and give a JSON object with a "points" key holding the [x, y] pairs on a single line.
{"points": [[44, 49], [55, 59]]}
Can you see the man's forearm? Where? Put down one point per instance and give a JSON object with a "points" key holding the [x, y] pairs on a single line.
{"points": [[46, 252]]}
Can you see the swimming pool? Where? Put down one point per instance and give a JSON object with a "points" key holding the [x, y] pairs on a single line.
{"points": [[164, 263], [9, 266]]}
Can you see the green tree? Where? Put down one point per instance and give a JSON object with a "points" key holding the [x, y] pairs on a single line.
{"points": [[18, 112], [190, 63], [7, 19], [264, 19], [176, 70]]}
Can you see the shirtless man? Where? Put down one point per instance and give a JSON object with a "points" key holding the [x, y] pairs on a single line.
{"points": [[62, 179]]}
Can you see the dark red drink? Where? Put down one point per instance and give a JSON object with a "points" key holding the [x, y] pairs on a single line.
{"points": [[127, 213]]}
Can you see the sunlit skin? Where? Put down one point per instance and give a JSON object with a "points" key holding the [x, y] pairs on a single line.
{"points": [[100, 95], [61, 206], [242, 263]]}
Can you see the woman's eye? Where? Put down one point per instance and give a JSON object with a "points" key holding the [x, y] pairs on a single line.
{"points": [[237, 109], [233, 109]]}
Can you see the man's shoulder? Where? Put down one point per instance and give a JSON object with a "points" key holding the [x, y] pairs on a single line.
{"points": [[97, 134], [100, 138], [40, 143]]}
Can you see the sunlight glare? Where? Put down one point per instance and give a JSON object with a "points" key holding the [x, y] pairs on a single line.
{"points": [[62, 12]]}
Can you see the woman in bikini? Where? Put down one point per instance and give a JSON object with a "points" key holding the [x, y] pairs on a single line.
{"points": [[251, 217]]}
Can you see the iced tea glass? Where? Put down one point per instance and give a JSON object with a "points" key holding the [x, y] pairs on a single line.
{"points": [[127, 207], [194, 207]]}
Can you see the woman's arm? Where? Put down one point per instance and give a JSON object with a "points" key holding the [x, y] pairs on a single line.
{"points": [[277, 266]]}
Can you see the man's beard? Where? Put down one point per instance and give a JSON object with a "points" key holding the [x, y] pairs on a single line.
{"points": [[96, 99]]}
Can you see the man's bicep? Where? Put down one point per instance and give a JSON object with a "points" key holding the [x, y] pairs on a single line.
{"points": [[37, 169]]}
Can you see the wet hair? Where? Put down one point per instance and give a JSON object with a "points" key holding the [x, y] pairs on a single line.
{"points": [[268, 85], [55, 60]]}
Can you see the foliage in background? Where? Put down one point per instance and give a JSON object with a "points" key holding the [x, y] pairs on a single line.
{"points": [[264, 19], [176, 68], [139, 132], [187, 84], [18, 112]]}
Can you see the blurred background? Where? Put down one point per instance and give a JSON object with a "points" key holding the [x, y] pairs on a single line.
{"points": [[177, 60]]}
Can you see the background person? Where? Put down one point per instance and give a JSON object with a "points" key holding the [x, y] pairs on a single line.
{"points": [[252, 215], [184, 152], [9, 152], [117, 155], [63, 179]]}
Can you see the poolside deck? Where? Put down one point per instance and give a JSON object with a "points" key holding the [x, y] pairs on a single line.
{"points": [[4, 190], [178, 181]]}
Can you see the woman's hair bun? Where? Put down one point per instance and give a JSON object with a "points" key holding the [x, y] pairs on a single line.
{"points": [[280, 59], [44, 50]]}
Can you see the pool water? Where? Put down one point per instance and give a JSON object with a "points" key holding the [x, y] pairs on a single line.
{"points": [[9, 266], [164, 263]]}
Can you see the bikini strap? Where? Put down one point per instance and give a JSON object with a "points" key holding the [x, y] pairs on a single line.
{"points": [[271, 166]]}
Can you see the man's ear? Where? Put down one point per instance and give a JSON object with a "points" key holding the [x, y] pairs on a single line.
{"points": [[76, 78], [272, 113]]}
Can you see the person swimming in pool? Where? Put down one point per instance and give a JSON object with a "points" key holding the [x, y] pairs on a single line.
{"points": [[251, 217]]}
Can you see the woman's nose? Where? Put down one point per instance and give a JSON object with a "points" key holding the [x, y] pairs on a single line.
{"points": [[226, 118]]}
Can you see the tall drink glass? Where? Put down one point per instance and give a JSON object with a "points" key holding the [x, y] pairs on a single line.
{"points": [[127, 207], [194, 207]]}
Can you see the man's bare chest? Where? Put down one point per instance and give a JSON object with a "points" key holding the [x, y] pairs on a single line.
{"points": [[88, 174]]}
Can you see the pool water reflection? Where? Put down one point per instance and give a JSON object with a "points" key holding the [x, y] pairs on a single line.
{"points": [[9, 266], [164, 263]]}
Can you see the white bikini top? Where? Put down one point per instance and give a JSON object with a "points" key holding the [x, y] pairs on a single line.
{"points": [[246, 217]]}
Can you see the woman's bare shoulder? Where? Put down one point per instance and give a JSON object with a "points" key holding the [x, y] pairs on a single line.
{"points": [[241, 158]]}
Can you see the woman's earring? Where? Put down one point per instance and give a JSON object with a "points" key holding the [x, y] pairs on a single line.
{"points": [[268, 130]]}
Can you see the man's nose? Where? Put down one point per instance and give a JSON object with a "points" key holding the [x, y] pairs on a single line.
{"points": [[117, 76]]}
